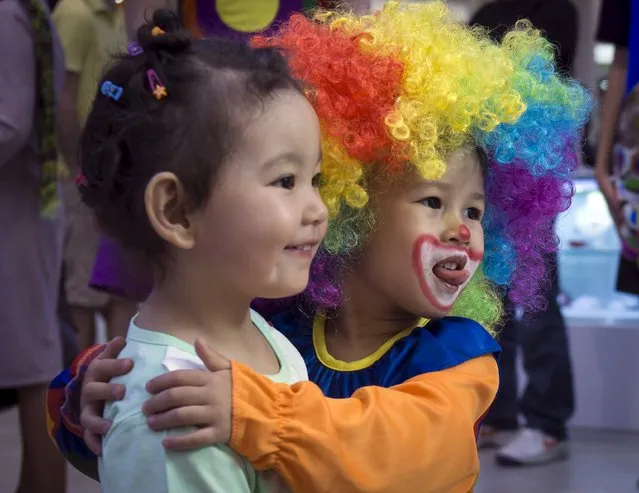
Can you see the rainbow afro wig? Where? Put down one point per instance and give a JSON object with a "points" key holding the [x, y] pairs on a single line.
{"points": [[408, 85]]}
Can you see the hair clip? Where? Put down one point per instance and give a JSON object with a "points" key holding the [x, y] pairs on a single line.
{"points": [[81, 181], [110, 90], [157, 31], [135, 49], [157, 88]]}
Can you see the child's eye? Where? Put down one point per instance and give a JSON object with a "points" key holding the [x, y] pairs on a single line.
{"points": [[317, 180], [432, 202], [474, 214], [287, 182]]}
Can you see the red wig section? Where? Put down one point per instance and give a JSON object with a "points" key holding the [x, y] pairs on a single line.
{"points": [[352, 91]]}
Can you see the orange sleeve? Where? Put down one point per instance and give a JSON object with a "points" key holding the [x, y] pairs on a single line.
{"points": [[415, 437]]}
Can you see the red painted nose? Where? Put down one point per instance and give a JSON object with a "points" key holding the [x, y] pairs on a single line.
{"points": [[464, 233]]}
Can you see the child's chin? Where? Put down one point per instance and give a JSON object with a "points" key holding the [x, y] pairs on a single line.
{"points": [[290, 287], [432, 312]]}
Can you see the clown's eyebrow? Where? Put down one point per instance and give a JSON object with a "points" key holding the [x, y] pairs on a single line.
{"points": [[445, 187], [433, 184]]}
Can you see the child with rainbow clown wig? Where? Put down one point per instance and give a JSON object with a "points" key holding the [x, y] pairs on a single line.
{"points": [[446, 159]]}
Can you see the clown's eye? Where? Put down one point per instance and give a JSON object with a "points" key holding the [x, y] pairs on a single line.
{"points": [[474, 214], [432, 202]]}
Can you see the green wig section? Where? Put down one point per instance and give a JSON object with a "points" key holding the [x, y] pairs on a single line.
{"points": [[480, 302]]}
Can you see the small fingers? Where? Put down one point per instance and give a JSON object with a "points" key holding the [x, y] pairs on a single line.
{"points": [[178, 378], [175, 398], [103, 370], [200, 438], [213, 360], [94, 442], [93, 423], [99, 393], [181, 417], [113, 348]]}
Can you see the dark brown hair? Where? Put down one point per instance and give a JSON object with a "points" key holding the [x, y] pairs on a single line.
{"points": [[190, 132]]}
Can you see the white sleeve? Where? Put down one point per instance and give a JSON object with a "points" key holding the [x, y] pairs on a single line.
{"points": [[134, 460]]}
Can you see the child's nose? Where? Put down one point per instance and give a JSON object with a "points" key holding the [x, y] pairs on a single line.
{"points": [[315, 211], [457, 233]]}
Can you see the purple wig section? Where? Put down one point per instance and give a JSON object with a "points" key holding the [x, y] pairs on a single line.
{"points": [[519, 226], [323, 291]]}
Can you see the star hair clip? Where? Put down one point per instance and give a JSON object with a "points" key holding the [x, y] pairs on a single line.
{"points": [[158, 89]]}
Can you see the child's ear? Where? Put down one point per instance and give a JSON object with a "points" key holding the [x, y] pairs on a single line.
{"points": [[166, 207]]}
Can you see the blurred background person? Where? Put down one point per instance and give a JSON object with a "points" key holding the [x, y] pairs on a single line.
{"points": [[619, 26], [548, 401], [91, 31], [618, 143], [31, 73]]}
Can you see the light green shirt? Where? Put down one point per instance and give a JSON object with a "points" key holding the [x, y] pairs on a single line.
{"points": [[134, 459]]}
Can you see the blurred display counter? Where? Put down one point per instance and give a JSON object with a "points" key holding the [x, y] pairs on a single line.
{"points": [[603, 325]]}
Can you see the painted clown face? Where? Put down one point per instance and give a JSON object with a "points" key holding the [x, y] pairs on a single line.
{"points": [[428, 240]]}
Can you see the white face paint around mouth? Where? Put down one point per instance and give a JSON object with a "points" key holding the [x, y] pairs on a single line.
{"points": [[443, 271]]}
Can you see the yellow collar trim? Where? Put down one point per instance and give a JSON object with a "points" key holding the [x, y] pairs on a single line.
{"points": [[319, 343]]}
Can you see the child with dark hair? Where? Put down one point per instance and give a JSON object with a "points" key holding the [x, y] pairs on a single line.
{"points": [[116, 270], [202, 156]]}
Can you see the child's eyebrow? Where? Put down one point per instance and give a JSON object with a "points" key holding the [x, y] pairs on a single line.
{"points": [[287, 156], [433, 183], [478, 196]]}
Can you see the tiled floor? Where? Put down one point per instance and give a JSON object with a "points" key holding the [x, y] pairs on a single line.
{"points": [[600, 463]]}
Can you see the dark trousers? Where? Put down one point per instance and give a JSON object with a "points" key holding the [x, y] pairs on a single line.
{"points": [[547, 402]]}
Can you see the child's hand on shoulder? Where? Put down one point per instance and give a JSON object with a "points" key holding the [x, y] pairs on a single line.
{"points": [[193, 398], [97, 390]]}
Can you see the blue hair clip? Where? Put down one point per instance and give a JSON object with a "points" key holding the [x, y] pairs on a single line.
{"points": [[110, 90], [135, 49]]}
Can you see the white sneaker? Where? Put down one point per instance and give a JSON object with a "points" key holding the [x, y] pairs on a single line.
{"points": [[530, 447]]}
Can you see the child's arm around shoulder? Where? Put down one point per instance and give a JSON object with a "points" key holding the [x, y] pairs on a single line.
{"points": [[135, 460], [415, 437]]}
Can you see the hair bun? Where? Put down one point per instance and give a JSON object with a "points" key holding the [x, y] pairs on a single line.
{"points": [[173, 39]]}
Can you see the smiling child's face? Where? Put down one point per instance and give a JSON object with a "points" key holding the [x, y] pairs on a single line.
{"points": [[265, 218], [428, 239], [263, 223]]}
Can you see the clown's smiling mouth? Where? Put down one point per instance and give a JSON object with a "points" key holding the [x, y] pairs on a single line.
{"points": [[443, 270], [452, 270]]}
